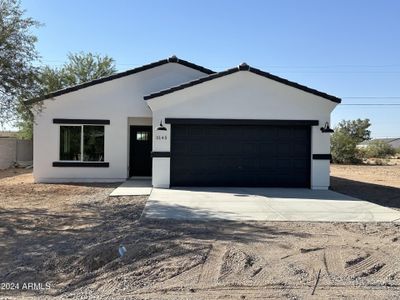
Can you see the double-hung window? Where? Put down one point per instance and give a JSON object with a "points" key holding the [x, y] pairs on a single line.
{"points": [[81, 143]]}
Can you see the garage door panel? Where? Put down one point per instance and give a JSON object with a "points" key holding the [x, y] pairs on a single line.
{"points": [[299, 134], [300, 163], [300, 150], [196, 131], [268, 149], [284, 163], [284, 149], [219, 155], [250, 148], [268, 164]]}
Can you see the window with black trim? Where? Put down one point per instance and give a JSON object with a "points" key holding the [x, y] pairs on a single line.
{"points": [[82, 143], [142, 136]]}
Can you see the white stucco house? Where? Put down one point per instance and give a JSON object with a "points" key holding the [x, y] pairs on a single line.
{"points": [[184, 125]]}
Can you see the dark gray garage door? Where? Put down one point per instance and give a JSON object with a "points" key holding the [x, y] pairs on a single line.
{"points": [[240, 155]]}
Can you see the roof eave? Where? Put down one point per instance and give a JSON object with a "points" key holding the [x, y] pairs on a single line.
{"points": [[67, 90], [243, 67]]}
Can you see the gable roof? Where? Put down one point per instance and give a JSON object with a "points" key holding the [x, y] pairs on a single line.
{"points": [[243, 67], [172, 59]]}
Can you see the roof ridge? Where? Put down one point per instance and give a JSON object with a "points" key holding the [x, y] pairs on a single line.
{"points": [[172, 59], [242, 67]]}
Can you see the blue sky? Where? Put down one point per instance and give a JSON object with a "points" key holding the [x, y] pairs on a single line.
{"points": [[345, 48]]}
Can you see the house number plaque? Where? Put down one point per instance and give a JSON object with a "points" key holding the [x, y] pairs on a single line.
{"points": [[161, 137]]}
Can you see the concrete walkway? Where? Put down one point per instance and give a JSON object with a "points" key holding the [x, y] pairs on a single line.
{"points": [[263, 204], [133, 187]]}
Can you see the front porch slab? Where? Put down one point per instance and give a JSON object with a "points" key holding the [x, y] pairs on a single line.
{"points": [[133, 187]]}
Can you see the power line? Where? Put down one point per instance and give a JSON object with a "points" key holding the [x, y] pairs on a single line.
{"points": [[372, 97], [372, 104], [263, 65], [270, 66], [333, 66], [338, 72]]}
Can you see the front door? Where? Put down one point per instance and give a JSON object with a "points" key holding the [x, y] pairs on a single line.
{"points": [[140, 151]]}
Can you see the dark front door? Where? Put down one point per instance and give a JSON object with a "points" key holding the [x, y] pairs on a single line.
{"points": [[224, 155], [140, 151]]}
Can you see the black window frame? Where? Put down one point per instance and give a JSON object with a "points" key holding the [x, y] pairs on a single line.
{"points": [[82, 146]]}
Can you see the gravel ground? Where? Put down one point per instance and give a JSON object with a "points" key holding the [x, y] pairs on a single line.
{"points": [[68, 237]]}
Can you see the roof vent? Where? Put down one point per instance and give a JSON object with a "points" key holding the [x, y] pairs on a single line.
{"points": [[244, 67], [173, 58]]}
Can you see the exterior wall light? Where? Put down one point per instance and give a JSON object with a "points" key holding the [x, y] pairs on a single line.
{"points": [[326, 128], [161, 127]]}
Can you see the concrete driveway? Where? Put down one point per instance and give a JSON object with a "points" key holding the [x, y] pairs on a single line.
{"points": [[263, 204]]}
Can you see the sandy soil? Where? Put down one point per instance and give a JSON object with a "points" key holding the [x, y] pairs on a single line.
{"points": [[68, 236], [378, 184], [383, 175]]}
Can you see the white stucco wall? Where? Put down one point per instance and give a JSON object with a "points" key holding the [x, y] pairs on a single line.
{"points": [[244, 95], [121, 102]]}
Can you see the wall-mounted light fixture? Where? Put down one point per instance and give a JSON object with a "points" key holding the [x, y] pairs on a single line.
{"points": [[161, 127], [326, 128]]}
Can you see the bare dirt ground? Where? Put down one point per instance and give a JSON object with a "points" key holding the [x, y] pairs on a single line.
{"points": [[68, 236], [378, 184]]}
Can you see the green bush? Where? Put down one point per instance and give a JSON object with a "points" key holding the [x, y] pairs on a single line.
{"points": [[379, 149], [344, 141], [344, 149]]}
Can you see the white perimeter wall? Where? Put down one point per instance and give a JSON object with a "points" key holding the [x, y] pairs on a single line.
{"points": [[243, 95], [115, 100]]}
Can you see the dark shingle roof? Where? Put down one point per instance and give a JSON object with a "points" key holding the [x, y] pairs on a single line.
{"points": [[243, 67], [172, 59]]}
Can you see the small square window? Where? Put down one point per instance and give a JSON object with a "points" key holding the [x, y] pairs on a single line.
{"points": [[142, 136]]}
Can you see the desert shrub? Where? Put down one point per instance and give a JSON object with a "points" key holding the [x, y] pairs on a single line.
{"points": [[344, 149], [379, 149], [344, 141]]}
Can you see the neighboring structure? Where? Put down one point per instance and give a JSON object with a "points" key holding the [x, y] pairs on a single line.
{"points": [[185, 125], [394, 142], [8, 134], [14, 151]]}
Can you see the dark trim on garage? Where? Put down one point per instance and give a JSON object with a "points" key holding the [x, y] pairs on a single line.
{"points": [[161, 154], [172, 59], [241, 122], [243, 67], [81, 164], [322, 156], [81, 121]]}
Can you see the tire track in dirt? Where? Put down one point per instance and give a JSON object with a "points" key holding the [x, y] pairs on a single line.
{"points": [[333, 261], [391, 266], [210, 269], [370, 266], [257, 272], [188, 277]]}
